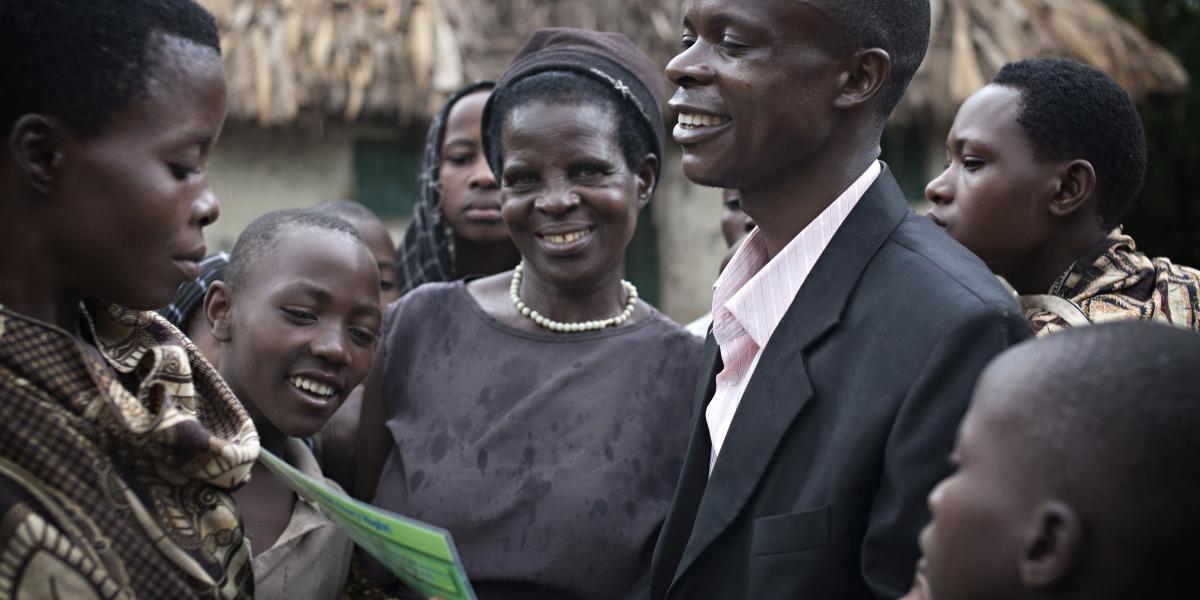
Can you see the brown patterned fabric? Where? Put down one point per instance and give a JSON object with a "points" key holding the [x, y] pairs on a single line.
{"points": [[1115, 282], [114, 481]]}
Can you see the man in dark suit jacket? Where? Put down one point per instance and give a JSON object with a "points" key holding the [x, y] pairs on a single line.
{"points": [[825, 419]]}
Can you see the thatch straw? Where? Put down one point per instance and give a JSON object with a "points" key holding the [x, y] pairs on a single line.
{"points": [[294, 61]]}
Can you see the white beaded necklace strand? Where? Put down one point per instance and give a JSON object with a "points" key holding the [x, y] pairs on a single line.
{"points": [[514, 294]]}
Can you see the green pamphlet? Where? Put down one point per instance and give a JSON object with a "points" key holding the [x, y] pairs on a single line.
{"points": [[422, 556]]}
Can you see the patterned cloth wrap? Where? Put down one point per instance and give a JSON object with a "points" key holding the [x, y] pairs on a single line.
{"points": [[106, 493], [1115, 282]]}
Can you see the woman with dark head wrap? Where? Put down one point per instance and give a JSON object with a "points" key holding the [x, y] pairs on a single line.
{"points": [[541, 414], [456, 228]]}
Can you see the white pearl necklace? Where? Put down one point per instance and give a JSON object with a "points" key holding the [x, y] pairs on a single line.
{"points": [[514, 294]]}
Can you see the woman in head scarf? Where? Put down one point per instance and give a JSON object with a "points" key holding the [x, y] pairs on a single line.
{"points": [[541, 414], [456, 228]]}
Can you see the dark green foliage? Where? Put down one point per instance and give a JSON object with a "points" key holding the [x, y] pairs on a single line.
{"points": [[1165, 219]]}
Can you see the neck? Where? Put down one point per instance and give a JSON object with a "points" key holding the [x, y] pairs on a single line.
{"points": [[29, 285], [784, 207], [269, 436], [596, 300], [483, 259], [1038, 273]]}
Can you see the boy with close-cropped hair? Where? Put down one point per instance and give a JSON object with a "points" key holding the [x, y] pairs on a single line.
{"points": [[1075, 468], [1043, 163]]}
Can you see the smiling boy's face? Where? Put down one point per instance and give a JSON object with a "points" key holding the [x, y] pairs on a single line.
{"points": [[301, 328]]}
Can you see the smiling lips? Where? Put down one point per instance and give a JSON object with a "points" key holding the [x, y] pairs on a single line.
{"points": [[313, 387], [565, 238], [689, 120]]}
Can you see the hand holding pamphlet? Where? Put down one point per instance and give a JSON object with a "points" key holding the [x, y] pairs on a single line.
{"points": [[421, 555]]}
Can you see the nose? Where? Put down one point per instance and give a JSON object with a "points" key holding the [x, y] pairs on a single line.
{"points": [[748, 223], [206, 208], [331, 344], [689, 68], [940, 190], [558, 199], [934, 499], [481, 177]]}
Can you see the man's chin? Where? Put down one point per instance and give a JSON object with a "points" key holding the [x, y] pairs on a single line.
{"points": [[702, 174]]}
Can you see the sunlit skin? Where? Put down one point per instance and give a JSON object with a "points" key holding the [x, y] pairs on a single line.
{"points": [[1028, 219], [307, 309], [798, 115], [564, 172], [470, 194], [117, 216]]}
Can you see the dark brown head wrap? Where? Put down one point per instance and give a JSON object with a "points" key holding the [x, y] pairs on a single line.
{"points": [[608, 57]]}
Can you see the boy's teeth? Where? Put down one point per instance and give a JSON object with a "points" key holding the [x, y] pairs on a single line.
{"points": [[309, 385], [565, 238], [699, 120]]}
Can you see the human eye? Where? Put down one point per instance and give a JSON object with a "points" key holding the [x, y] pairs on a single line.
{"points": [[364, 337], [460, 159], [733, 204], [182, 172], [589, 172], [298, 315], [972, 163], [732, 44], [520, 180], [386, 286]]}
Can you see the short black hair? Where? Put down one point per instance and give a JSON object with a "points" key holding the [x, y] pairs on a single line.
{"points": [[1110, 419], [85, 60], [1073, 111], [348, 210], [899, 27], [575, 89], [261, 235]]}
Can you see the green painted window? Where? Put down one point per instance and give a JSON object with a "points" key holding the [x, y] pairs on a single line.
{"points": [[385, 176]]}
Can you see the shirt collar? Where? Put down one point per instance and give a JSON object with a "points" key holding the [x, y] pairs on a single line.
{"points": [[754, 292]]}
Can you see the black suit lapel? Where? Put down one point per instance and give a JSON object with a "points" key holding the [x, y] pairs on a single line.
{"points": [[779, 387]]}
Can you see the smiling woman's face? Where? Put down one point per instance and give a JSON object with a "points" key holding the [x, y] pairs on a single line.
{"points": [[569, 199]]}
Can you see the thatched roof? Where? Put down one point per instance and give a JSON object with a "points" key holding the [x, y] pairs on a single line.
{"points": [[972, 39], [304, 60]]}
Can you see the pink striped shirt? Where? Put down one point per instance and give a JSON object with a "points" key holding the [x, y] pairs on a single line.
{"points": [[753, 293]]}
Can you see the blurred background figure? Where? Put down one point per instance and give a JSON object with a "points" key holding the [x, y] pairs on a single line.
{"points": [[456, 229], [735, 225]]}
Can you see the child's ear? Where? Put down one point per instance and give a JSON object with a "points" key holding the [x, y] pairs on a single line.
{"points": [[218, 304], [1053, 545], [35, 144], [1076, 186]]}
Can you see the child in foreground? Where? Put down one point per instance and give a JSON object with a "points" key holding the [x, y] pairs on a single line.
{"points": [[119, 443], [297, 316], [1042, 165], [1076, 465]]}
